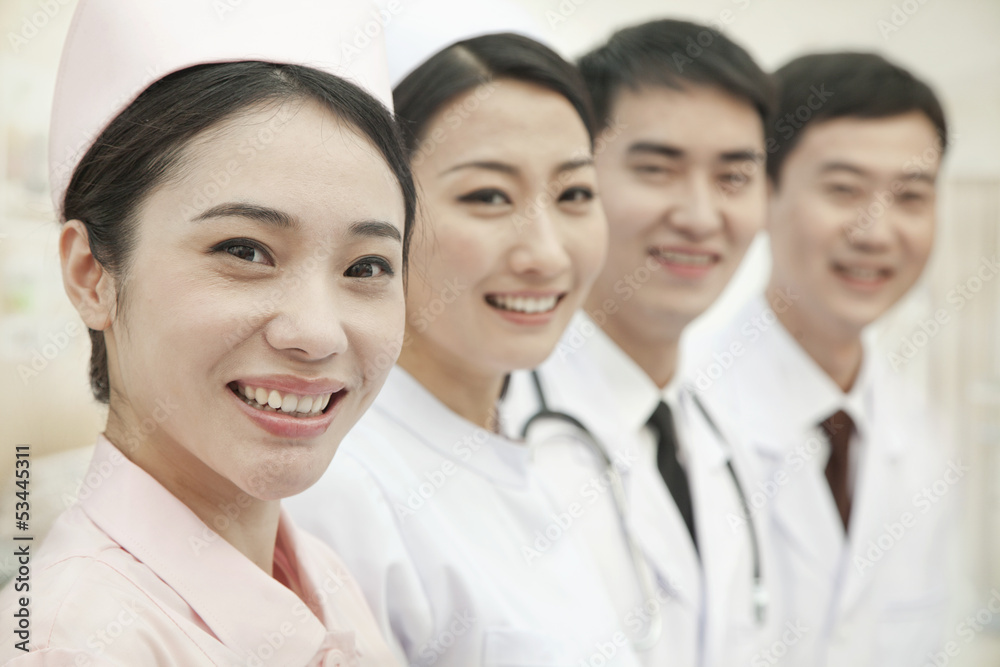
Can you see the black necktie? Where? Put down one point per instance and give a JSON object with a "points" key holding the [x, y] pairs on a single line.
{"points": [[838, 428], [662, 423]]}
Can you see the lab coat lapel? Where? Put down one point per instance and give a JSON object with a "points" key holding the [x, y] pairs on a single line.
{"points": [[815, 537], [875, 506]]}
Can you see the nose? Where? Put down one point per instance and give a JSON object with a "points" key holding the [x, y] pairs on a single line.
{"points": [[871, 229], [698, 211], [307, 321], [539, 247]]}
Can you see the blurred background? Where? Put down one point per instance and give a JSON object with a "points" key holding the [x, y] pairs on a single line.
{"points": [[955, 46]]}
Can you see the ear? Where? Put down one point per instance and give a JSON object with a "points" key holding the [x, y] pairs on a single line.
{"points": [[89, 286]]}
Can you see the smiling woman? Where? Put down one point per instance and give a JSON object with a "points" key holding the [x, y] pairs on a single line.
{"points": [[456, 543], [237, 302]]}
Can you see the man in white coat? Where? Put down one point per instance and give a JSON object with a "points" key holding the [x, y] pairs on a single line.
{"points": [[852, 481], [680, 173]]}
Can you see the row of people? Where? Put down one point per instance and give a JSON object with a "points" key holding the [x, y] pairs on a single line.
{"points": [[238, 211]]}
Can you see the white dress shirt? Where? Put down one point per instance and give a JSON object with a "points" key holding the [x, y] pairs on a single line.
{"points": [[706, 600], [459, 549], [877, 596]]}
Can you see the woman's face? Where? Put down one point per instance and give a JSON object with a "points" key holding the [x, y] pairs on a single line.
{"points": [[510, 233], [263, 305]]}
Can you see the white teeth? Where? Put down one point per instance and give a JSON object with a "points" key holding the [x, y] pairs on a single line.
{"points": [[861, 274], [524, 304], [685, 258], [289, 403], [273, 401]]}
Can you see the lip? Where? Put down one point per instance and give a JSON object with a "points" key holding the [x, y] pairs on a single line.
{"points": [[868, 286], [688, 271], [527, 319], [291, 384], [287, 426]]}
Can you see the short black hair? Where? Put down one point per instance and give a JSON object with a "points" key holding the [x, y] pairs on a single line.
{"points": [[674, 54], [467, 64], [824, 86]]}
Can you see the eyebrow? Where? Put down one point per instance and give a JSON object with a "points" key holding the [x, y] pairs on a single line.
{"points": [[281, 220], [511, 170], [674, 153], [263, 214], [858, 171], [376, 229], [490, 165]]}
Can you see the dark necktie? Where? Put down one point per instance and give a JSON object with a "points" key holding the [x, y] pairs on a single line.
{"points": [[662, 423], [838, 428]]}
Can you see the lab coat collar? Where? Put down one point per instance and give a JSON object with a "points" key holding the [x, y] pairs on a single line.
{"points": [[408, 403], [634, 392], [217, 581], [816, 396]]}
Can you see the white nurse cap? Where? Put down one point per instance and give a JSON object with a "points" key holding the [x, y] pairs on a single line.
{"points": [[422, 28], [116, 49]]}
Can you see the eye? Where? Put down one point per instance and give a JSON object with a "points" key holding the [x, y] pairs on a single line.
{"points": [[488, 196], [651, 169], [577, 195], [843, 191], [369, 267], [246, 250], [734, 180]]}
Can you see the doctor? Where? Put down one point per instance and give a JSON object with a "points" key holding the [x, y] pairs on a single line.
{"points": [[859, 485], [459, 549], [680, 166], [235, 209]]}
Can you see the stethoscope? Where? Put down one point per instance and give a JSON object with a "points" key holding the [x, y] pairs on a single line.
{"points": [[643, 572]]}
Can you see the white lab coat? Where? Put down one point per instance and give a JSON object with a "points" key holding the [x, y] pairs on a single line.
{"points": [[880, 597], [706, 603], [458, 549]]}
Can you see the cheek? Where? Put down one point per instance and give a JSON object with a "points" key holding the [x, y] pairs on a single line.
{"points": [[587, 245]]}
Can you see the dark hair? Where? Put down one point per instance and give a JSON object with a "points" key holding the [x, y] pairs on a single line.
{"points": [[863, 85], [472, 62], [143, 145], [674, 54]]}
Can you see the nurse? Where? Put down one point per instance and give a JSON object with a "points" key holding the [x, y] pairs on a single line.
{"points": [[235, 208], [457, 546]]}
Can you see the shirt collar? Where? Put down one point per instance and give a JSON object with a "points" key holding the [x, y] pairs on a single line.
{"points": [[409, 404], [808, 393], [241, 607], [635, 394]]}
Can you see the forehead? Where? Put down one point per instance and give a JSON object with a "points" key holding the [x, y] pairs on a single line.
{"points": [[505, 119], [890, 145], [696, 116], [296, 156]]}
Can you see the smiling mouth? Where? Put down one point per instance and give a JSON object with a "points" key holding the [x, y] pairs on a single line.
{"points": [[524, 304], [293, 405], [685, 258], [861, 274]]}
